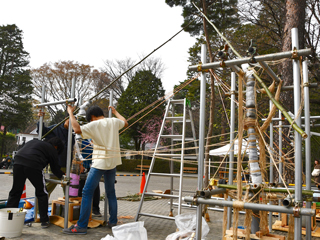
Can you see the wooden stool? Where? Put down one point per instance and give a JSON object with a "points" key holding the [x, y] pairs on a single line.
{"points": [[76, 201]]}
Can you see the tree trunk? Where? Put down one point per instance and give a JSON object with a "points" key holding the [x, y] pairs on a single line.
{"points": [[212, 100], [295, 18]]}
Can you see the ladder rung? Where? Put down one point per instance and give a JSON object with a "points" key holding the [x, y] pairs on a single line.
{"points": [[185, 191], [155, 215], [177, 137], [188, 175], [177, 119], [168, 154], [187, 121], [188, 157], [172, 136], [165, 174], [161, 195], [176, 156], [177, 101], [186, 139], [174, 118]]}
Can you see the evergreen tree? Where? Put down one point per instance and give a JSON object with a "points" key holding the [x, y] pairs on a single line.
{"points": [[222, 13], [143, 90], [15, 81]]}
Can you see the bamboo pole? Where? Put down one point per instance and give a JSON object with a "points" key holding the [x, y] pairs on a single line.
{"points": [[267, 57], [279, 190]]}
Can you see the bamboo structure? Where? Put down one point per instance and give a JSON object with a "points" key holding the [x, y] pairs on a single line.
{"points": [[250, 126]]}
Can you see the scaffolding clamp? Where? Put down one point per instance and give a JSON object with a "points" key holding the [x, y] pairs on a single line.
{"points": [[199, 68], [194, 200], [198, 193], [307, 84], [296, 211], [252, 51], [295, 53], [213, 182], [222, 63], [252, 60]]}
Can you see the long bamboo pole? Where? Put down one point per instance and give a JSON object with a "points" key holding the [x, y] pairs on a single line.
{"points": [[279, 190]]}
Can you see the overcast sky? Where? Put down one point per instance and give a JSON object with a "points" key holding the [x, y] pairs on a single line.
{"points": [[90, 32]]}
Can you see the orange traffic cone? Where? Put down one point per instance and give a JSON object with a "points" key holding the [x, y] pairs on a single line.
{"points": [[143, 183], [24, 193], [27, 205]]}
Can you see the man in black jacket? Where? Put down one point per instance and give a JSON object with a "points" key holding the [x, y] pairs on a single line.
{"points": [[29, 163], [61, 132]]}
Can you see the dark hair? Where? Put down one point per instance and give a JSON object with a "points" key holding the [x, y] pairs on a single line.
{"points": [[93, 111], [55, 141]]}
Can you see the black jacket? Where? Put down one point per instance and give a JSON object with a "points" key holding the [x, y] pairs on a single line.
{"points": [[38, 154], [61, 133]]}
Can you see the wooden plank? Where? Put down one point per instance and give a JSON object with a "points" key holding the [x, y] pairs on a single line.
{"points": [[269, 238], [278, 226], [241, 234], [189, 169], [277, 236]]}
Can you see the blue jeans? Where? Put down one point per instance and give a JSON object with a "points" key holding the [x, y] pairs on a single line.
{"points": [[92, 182]]}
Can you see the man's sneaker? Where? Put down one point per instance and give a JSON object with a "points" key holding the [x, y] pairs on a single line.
{"points": [[96, 213], [75, 229], [45, 224], [110, 225]]}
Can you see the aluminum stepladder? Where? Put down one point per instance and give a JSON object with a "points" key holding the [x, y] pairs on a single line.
{"points": [[170, 154]]}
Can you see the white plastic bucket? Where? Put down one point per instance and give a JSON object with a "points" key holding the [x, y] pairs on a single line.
{"points": [[11, 224]]}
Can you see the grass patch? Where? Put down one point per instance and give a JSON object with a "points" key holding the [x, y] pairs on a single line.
{"points": [[136, 197]]}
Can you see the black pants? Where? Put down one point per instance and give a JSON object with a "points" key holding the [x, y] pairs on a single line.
{"points": [[36, 177]]}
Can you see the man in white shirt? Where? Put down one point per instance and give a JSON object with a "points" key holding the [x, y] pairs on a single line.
{"points": [[104, 133]]}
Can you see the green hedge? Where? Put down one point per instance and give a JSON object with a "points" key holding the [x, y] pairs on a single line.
{"points": [[160, 166]]}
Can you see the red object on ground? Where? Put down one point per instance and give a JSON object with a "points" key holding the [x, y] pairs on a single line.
{"points": [[143, 183], [24, 193]]}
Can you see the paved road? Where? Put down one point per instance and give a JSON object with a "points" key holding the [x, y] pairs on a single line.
{"points": [[156, 228]]}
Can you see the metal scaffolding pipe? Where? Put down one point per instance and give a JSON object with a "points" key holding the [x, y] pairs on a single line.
{"points": [[105, 211], [269, 71], [267, 57], [280, 156], [315, 133], [39, 138], [307, 141], [252, 206], [70, 100], [58, 181], [297, 136], [283, 88], [287, 88], [231, 153], [302, 125], [201, 138], [68, 164], [271, 162], [111, 103], [303, 118], [208, 193]]}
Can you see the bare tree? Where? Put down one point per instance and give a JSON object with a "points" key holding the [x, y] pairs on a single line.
{"points": [[57, 78], [115, 68]]}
